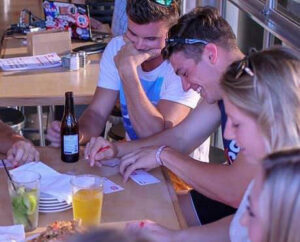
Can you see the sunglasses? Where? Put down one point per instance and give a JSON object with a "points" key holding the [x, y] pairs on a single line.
{"points": [[185, 41], [163, 2], [243, 67]]}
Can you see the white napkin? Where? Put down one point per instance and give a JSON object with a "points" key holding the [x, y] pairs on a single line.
{"points": [[12, 233], [52, 182], [58, 185]]}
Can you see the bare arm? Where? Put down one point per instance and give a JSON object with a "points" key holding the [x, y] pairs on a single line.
{"points": [[223, 183], [213, 232], [186, 136], [144, 116], [92, 121], [17, 149], [7, 137], [219, 182]]}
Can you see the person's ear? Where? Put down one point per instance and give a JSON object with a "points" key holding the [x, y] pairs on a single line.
{"points": [[211, 53]]}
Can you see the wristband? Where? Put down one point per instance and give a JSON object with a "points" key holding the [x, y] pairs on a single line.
{"points": [[157, 155]]}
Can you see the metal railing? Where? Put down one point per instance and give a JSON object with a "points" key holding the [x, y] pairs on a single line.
{"points": [[273, 22]]}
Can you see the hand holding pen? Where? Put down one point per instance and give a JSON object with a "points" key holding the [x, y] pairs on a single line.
{"points": [[99, 149]]}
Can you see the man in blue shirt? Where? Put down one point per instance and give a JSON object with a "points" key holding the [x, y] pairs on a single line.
{"points": [[200, 47]]}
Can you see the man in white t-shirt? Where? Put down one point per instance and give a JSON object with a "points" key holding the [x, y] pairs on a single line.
{"points": [[151, 95]]}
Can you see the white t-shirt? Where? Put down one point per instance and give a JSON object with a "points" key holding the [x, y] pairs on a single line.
{"points": [[238, 232], [160, 83]]}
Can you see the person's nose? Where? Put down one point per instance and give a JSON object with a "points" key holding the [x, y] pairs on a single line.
{"points": [[228, 133], [139, 44], [185, 84]]}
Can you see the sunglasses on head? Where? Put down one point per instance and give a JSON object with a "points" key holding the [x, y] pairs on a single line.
{"points": [[186, 41], [163, 2], [243, 67]]}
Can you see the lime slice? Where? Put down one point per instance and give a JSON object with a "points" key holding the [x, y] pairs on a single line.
{"points": [[30, 201]]}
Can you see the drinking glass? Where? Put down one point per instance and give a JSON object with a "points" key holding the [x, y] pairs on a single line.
{"points": [[87, 199], [24, 189]]}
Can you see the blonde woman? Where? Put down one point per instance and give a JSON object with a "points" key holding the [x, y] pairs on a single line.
{"points": [[262, 101], [261, 94], [273, 211]]}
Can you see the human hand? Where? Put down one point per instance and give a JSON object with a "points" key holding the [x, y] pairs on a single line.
{"points": [[53, 133], [141, 159], [93, 153], [21, 152], [129, 55], [151, 230]]}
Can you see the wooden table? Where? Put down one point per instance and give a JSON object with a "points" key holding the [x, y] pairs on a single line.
{"points": [[47, 86], [156, 202]]}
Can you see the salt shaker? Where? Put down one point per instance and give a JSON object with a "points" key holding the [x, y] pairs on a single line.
{"points": [[74, 62]]}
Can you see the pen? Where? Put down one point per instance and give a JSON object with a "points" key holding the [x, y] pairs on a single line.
{"points": [[103, 149]]}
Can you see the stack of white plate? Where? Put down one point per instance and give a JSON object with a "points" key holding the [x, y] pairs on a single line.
{"points": [[49, 204]]}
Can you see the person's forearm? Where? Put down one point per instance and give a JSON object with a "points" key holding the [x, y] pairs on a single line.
{"points": [[7, 137], [169, 137], [213, 232], [90, 125], [144, 116], [223, 183]]}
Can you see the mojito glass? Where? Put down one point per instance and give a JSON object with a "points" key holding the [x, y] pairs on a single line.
{"points": [[24, 194]]}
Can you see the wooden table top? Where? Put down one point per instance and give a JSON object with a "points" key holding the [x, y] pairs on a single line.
{"points": [[157, 202], [47, 86]]}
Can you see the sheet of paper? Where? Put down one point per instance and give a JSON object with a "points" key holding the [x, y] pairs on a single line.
{"points": [[110, 187], [30, 62], [111, 162], [12, 233], [143, 178], [58, 185]]}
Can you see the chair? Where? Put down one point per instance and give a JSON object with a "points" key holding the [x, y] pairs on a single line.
{"points": [[13, 118]]}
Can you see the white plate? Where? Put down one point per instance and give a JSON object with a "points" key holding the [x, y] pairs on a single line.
{"points": [[52, 202], [56, 207], [47, 197], [54, 210], [53, 206]]}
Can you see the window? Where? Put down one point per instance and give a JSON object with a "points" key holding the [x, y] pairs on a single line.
{"points": [[278, 18], [290, 9]]}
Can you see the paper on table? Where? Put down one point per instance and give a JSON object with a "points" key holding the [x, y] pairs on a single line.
{"points": [[58, 185], [52, 182], [12, 233], [110, 187], [30, 62]]}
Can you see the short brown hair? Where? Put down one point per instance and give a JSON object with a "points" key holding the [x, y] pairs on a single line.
{"points": [[147, 11], [204, 23]]}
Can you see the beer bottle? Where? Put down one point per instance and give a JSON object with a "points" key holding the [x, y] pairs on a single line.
{"points": [[69, 132]]}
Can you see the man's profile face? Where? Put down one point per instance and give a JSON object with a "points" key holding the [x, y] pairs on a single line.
{"points": [[147, 36], [200, 76]]}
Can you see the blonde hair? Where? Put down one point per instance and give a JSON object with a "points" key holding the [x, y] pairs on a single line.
{"points": [[268, 89], [280, 197]]}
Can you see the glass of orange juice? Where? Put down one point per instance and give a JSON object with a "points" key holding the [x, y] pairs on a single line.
{"points": [[87, 199]]}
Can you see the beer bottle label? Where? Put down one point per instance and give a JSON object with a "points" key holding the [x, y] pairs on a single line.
{"points": [[70, 144]]}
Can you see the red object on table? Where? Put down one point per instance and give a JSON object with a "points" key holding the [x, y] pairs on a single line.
{"points": [[103, 149]]}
